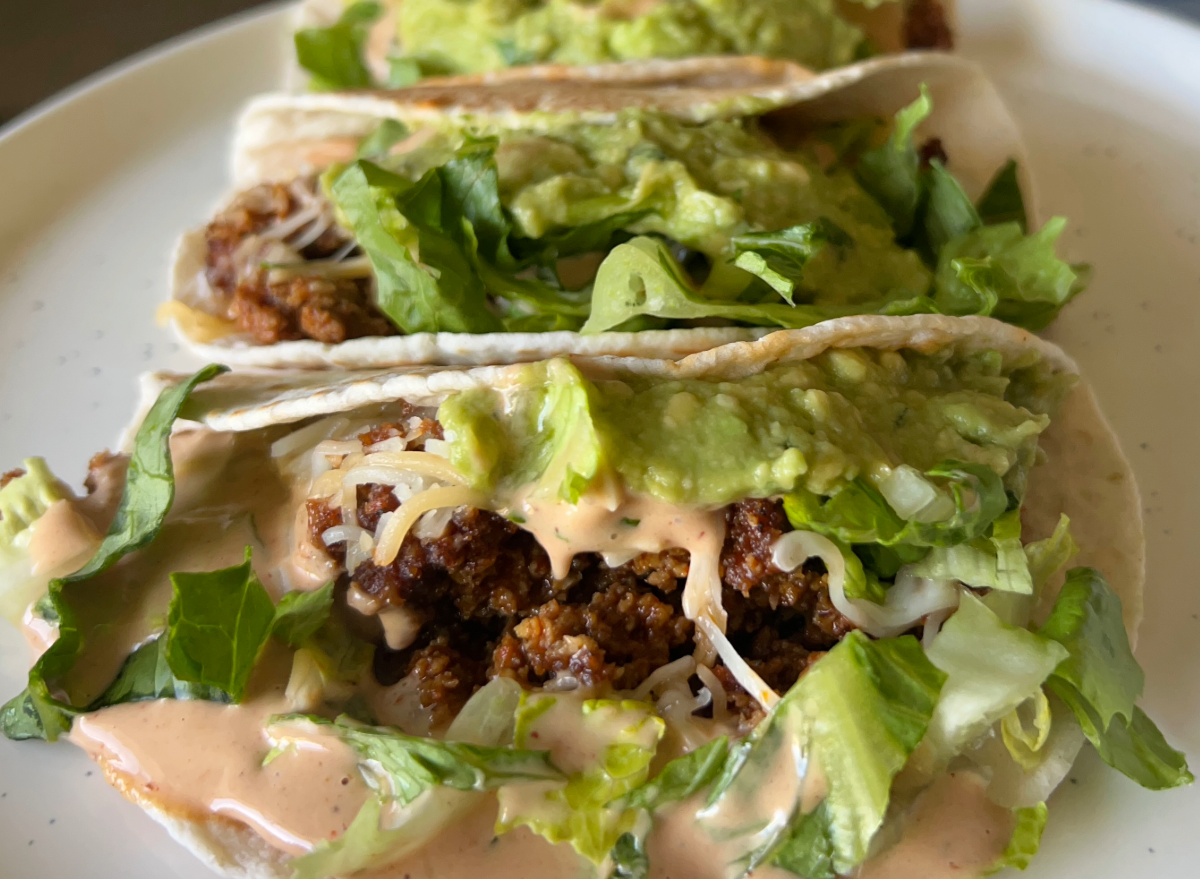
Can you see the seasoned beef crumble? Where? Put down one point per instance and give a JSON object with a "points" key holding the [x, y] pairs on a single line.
{"points": [[926, 26], [327, 310], [489, 606]]}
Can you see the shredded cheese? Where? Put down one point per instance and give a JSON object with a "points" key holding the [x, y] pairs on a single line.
{"points": [[388, 546], [742, 672]]}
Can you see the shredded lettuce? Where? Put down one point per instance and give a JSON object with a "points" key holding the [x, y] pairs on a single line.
{"points": [[779, 257], [334, 55], [1001, 271], [1003, 201], [422, 786], [991, 668], [1048, 556], [148, 495], [892, 172], [623, 735], [854, 718], [424, 277], [25, 499], [1100, 681], [377, 144], [300, 615], [1025, 841], [146, 675], [985, 263], [681, 778], [22, 502], [995, 562], [859, 514]]}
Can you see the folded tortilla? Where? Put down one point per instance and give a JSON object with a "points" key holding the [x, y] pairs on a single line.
{"points": [[478, 37], [284, 140], [558, 448]]}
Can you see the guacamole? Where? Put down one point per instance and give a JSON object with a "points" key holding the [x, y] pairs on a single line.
{"points": [[700, 186], [651, 222], [816, 425], [467, 36]]}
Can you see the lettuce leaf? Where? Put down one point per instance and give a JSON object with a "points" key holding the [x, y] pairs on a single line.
{"points": [[1100, 681], [1001, 271], [991, 668], [892, 172], [300, 615], [1002, 201], [857, 714], [808, 849], [642, 278], [779, 257], [217, 625], [384, 829], [1048, 556], [425, 281], [404, 766], [22, 502], [995, 562], [25, 499], [948, 211], [379, 142], [1025, 841], [334, 54], [623, 735], [681, 778], [859, 514], [147, 675], [147, 497]]}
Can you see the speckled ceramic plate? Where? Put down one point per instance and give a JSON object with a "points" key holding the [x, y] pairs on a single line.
{"points": [[94, 187]]}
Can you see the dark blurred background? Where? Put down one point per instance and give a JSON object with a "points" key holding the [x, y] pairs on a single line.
{"points": [[45, 46]]}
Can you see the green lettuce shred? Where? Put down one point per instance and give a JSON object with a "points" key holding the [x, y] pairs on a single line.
{"points": [[147, 497], [334, 55], [856, 716], [1100, 681], [1026, 839], [580, 811]]}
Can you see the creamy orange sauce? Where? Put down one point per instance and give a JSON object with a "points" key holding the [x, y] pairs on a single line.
{"points": [[228, 496], [470, 849], [679, 849], [953, 830], [622, 526], [203, 757]]}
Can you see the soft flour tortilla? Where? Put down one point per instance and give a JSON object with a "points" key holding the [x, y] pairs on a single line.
{"points": [[1085, 474], [883, 26], [282, 136]]}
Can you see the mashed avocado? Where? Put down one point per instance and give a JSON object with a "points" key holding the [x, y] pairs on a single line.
{"points": [[816, 425], [699, 185], [466, 36]]}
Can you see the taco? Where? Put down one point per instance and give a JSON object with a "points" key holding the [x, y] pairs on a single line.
{"points": [[792, 606], [342, 46], [655, 212]]}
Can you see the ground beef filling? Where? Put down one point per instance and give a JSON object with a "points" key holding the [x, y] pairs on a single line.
{"points": [[926, 26], [488, 605], [327, 310]]}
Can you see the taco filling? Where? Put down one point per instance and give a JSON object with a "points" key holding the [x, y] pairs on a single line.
{"points": [[370, 46], [646, 223], [773, 620]]}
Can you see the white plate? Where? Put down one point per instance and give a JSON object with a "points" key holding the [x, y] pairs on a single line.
{"points": [[94, 187]]}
